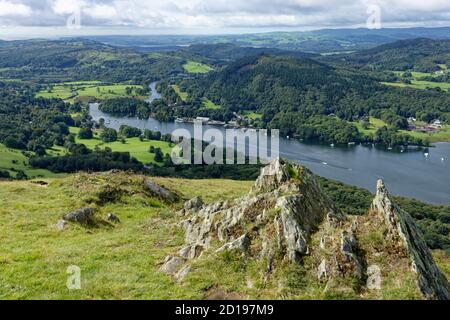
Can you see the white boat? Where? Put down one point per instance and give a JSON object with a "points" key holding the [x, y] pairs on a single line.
{"points": [[426, 154], [332, 145]]}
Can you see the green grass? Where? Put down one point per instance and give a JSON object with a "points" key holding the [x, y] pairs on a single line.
{"points": [[441, 136], [375, 124], [181, 94], [70, 91], [418, 84], [197, 67], [252, 115], [208, 104], [137, 149], [14, 159], [116, 262]]}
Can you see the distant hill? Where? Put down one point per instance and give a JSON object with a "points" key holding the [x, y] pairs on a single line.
{"points": [[226, 52], [317, 41], [424, 55], [79, 59]]}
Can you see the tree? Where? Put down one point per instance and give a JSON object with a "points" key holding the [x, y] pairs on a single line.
{"points": [[159, 156], [108, 135], [85, 133]]}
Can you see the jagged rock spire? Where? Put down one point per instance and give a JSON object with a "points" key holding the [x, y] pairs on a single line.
{"points": [[402, 228]]}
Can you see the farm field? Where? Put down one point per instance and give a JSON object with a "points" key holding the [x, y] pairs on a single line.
{"points": [[14, 159], [137, 148], [419, 84], [197, 67], [72, 91]]}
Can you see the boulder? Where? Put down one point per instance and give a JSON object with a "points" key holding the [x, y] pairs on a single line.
{"points": [[82, 216], [160, 192], [172, 265]]}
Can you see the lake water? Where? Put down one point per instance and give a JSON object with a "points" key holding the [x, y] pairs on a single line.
{"points": [[409, 174]]}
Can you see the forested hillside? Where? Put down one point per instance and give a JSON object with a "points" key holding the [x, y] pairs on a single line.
{"points": [[422, 55], [312, 100], [80, 60]]}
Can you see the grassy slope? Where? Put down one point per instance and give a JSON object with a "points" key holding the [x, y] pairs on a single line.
{"points": [[122, 261], [197, 67], [7, 156], [87, 89], [137, 148], [420, 84], [181, 94], [116, 262]]}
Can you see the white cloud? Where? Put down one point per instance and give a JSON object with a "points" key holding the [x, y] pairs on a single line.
{"points": [[226, 14], [9, 8]]}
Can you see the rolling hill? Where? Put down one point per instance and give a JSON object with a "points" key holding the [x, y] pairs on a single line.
{"points": [[422, 55]]}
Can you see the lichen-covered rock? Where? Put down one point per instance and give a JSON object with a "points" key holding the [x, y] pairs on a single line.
{"points": [[402, 229], [194, 204], [242, 244], [172, 265], [82, 216], [276, 199], [286, 217], [160, 192]]}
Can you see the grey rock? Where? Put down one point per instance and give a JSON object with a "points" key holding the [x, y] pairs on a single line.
{"points": [[194, 204], [160, 192], [112, 218], [272, 176], [322, 272], [242, 244], [183, 273], [431, 281], [82, 216], [172, 265]]}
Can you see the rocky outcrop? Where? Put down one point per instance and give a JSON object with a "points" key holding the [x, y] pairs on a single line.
{"points": [[280, 194], [286, 219], [403, 230], [84, 216], [160, 192]]}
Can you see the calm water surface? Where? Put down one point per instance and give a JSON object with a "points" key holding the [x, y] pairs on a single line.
{"points": [[409, 174]]}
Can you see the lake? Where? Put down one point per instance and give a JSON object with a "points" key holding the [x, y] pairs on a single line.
{"points": [[409, 174]]}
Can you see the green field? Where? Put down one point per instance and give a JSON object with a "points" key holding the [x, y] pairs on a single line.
{"points": [[197, 67], [181, 94], [70, 91], [441, 136], [208, 104], [375, 124], [252, 115], [116, 262], [419, 84], [14, 159], [137, 149]]}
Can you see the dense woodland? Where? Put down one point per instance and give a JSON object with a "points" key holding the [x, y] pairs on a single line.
{"points": [[311, 100]]}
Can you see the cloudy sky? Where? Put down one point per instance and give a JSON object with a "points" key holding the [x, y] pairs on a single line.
{"points": [[29, 17]]}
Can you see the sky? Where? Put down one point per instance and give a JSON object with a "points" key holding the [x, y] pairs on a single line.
{"points": [[29, 18]]}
